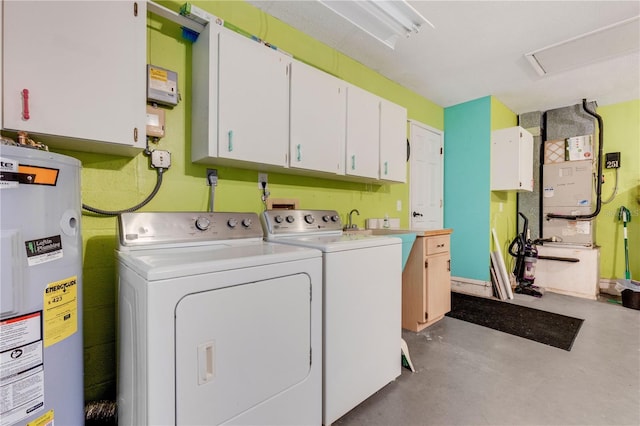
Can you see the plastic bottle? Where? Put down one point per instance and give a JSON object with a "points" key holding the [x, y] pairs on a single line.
{"points": [[386, 224]]}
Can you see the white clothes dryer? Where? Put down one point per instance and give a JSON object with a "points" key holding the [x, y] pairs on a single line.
{"points": [[216, 326], [362, 293]]}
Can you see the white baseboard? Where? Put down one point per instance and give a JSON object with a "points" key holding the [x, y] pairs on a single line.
{"points": [[608, 286], [471, 286]]}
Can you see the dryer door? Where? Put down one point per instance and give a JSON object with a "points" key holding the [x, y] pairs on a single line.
{"points": [[238, 346]]}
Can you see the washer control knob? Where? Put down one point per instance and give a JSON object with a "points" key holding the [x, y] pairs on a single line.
{"points": [[309, 219], [246, 223], [290, 219], [202, 223], [278, 219], [326, 218], [232, 223], [335, 218]]}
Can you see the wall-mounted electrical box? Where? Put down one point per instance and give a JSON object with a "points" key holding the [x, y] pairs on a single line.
{"points": [[155, 121], [162, 86], [612, 160]]}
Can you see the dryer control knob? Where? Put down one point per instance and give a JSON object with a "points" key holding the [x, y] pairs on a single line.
{"points": [[232, 223], [202, 223], [326, 218], [290, 219], [309, 219], [278, 219], [246, 223], [335, 218]]}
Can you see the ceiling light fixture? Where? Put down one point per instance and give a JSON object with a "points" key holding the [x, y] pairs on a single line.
{"points": [[604, 43], [385, 20]]}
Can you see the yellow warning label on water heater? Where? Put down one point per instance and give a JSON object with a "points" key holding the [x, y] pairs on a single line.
{"points": [[45, 420], [60, 310]]}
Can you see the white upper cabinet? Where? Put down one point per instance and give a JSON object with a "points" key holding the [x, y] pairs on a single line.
{"points": [[363, 133], [74, 73], [255, 107], [241, 100], [317, 120], [393, 142], [511, 160]]}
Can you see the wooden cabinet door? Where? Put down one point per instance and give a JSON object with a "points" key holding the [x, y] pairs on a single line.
{"points": [[318, 118], [253, 101], [438, 286], [393, 142], [363, 133], [83, 65]]}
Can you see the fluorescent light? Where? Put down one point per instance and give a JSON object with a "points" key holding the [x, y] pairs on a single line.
{"points": [[608, 42], [385, 20]]}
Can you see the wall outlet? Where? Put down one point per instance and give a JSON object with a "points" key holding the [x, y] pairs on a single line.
{"points": [[399, 205], [262, 177]]}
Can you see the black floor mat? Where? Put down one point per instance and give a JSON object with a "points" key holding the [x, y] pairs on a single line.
{"points": [[533, 324]]}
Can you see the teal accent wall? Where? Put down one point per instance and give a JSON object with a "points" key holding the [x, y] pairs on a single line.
{"points": [[467, 160]]}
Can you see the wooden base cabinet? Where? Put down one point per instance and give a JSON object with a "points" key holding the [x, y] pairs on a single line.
{"points": [[426, 280]]}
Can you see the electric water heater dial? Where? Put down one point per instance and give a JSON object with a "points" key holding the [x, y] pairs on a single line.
{"points": [[202, 223]]}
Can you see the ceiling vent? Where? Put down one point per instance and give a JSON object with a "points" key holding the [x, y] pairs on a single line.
{"points": [[621, 38]]}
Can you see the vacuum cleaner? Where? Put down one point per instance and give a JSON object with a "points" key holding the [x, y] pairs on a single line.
{"points": [[526, 254]]}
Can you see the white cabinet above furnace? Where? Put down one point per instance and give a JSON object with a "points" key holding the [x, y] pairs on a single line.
{"points": [[511, 160]]}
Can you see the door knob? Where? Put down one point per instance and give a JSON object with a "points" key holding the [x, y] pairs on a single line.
{"points": [[417, 214]]}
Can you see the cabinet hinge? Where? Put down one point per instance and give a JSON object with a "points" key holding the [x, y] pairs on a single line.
{"points": [[135, 8]]}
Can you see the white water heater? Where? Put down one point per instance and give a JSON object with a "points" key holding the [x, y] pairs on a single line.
{"points": [[41, 346]]}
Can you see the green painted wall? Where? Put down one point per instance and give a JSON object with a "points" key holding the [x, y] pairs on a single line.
{"points": [[466, 186], [621, 134], [112, 183]]}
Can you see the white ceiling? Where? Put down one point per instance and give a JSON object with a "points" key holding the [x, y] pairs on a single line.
{"points": [[477, 49]]}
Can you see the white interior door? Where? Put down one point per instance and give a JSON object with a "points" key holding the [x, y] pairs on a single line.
{"points": [[426, 177]]}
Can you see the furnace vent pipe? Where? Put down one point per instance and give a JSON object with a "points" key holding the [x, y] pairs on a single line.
{"points": [[598, 178]]}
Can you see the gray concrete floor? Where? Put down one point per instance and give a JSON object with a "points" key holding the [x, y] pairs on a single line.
{"points": [[471, 375]]}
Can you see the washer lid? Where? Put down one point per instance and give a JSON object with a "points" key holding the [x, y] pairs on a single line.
{"points": [[165, 263], [333, 243]]}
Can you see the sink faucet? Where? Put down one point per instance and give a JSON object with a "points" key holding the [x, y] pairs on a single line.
{"points": [[350, 224]]}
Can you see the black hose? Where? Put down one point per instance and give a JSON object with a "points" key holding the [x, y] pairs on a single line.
{"points": [[599, 177], [131, 209]]}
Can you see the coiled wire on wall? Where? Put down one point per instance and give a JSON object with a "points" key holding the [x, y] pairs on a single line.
{"points": [[146, 201]]}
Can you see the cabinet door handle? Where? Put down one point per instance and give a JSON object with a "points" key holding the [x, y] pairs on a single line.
{"points": [[25, 104], [386, 168], [230, 144], [440, 245], [353, 162], [426, 263], [299, 152], [449, 265]]}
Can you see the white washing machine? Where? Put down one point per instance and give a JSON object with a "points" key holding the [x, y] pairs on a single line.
{"points": [[361, 304], [216, 326]]}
